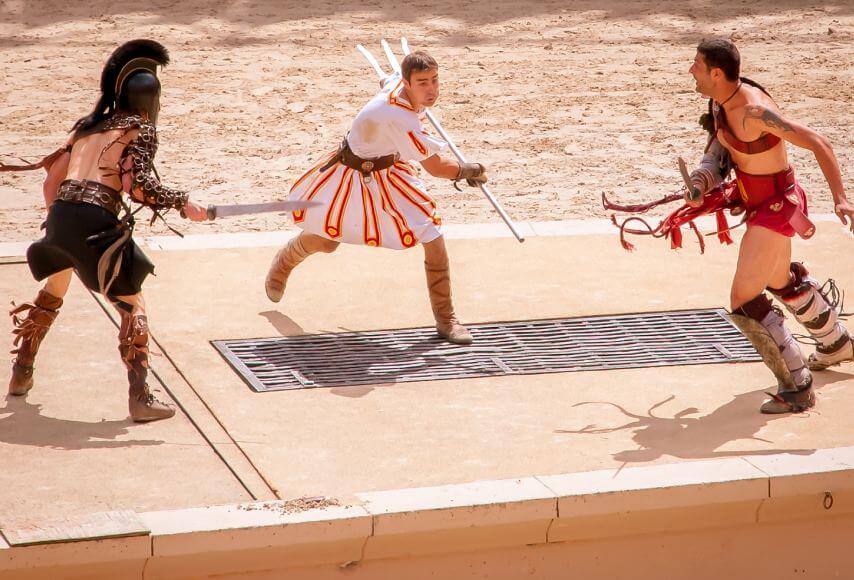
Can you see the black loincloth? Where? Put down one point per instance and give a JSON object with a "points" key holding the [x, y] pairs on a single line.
{"points": [[65, 246]]}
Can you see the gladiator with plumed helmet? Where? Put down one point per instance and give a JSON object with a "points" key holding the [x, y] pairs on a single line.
{"points": [[95, 184]]}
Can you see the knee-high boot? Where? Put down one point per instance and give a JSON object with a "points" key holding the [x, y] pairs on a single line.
{"points": [[29, 332], [764, 326], [133, 348], [287, 258], [438, 273]]}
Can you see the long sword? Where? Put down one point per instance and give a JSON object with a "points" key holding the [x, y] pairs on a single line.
{"points": [[220, 211]]}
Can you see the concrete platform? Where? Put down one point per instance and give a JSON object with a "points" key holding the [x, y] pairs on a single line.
{"points": [[75, 452]]}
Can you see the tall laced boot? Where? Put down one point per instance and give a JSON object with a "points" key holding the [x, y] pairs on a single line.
{"points": [[133, 348], [780, 353], [287, 258], [29, 332], [817, 311], [439, 285]]}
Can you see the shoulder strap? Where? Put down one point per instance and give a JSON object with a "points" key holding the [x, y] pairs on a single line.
{"points": [[764, 143]]}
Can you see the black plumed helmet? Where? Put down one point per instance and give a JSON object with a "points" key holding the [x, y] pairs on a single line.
{"points": [[137, 59], [132, 56]]}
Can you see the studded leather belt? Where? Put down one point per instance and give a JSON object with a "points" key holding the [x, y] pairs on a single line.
{"points": [[85, 191], [346, 157]]}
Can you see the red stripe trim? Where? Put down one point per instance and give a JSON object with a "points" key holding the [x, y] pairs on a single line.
{"points": [[368, 200], [407, 197], [422, 194], [407, 239], [328, 227], [405, 167], [299, 215], [344, 202], [418, 144], [392, 98]]}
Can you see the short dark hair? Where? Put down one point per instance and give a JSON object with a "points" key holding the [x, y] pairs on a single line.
{"points": [[418, 61], [721, 53]]}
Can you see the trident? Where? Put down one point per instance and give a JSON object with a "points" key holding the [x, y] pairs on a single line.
{"points": [[395, 65]]}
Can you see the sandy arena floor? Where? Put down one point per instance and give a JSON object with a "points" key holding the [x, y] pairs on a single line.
{"points": [[563, 100]]}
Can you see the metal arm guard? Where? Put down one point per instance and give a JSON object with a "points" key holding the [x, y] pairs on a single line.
{"points": [[713, 168], [142, 151]]}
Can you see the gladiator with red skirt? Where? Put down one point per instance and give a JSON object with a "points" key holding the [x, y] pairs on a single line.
{"points": [[748, 135]]}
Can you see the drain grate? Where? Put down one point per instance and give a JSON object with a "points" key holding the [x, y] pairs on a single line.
{"points": [[537, 346]]}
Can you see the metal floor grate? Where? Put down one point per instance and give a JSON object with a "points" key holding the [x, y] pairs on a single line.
{"points": [[537, 346]]}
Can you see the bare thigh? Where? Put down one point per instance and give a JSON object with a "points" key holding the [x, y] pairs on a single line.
{"points": [[763, 260], [57, 284]]}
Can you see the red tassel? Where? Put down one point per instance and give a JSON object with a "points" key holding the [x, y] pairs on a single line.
{"points": [[675, 238], [723, 228]]}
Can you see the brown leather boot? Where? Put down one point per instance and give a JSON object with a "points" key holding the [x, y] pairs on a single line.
{"points": [[439, 284], [133, 347], [29, 333], [294, 252]]}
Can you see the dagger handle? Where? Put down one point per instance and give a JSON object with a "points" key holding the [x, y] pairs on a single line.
{"points": [[211, 211]]}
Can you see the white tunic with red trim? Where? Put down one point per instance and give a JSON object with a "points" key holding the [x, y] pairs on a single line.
{"points": [[391, 208]]}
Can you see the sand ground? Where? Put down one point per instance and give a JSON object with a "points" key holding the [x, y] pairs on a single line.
{"points": [[563, 100]]}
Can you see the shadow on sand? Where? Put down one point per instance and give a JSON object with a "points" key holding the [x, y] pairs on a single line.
{"points": [[689, 437], [22, 423]]}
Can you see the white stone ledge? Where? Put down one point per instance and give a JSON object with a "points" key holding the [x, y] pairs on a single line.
{"points": [[250, 526], [687, 496]]}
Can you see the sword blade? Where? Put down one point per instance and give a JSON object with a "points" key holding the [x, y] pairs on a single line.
{"points": [[218, 211]]}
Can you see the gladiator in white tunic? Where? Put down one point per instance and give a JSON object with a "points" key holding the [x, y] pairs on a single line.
{"points": [[370, 193], [390, 207]]}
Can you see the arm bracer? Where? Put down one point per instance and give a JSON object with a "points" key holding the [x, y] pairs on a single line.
{"points": [[713, 167], [142, 151]]}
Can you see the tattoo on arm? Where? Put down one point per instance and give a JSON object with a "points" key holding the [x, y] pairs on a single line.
{"points": [[769, 118]]}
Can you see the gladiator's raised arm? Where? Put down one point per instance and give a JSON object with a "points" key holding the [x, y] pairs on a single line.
{"points": [[145, 183]]}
